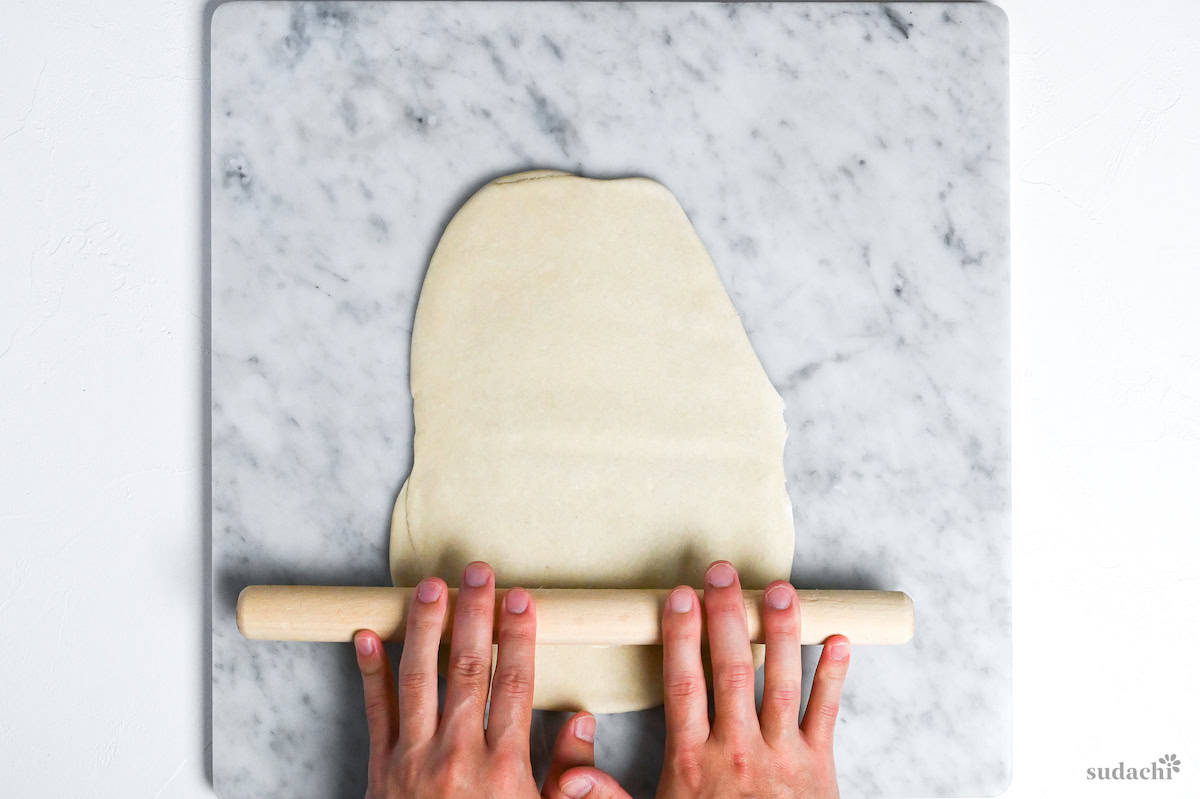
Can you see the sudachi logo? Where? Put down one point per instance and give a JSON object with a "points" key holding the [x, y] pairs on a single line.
{"points": [[1162, 769]]}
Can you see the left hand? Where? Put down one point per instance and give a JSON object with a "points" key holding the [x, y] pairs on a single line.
{"points": [[417, 754]]}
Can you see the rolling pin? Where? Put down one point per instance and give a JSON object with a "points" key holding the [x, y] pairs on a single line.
{"points": [[577, 616]]}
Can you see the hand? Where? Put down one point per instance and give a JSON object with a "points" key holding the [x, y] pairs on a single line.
{"points": [[414, 753], [742, 753]]}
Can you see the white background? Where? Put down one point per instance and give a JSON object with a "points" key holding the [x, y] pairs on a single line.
{"points": [[103, 651]]}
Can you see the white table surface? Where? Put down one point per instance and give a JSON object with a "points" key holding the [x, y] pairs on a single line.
{"points": [[103, 583]]}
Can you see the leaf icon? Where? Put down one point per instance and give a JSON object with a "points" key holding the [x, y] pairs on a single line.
{"points": [[1162, 759]]}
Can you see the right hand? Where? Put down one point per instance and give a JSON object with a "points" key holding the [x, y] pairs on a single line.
{"points": [[742, 754]]}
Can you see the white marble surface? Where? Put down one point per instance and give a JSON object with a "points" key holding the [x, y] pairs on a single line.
{"points": [[104, 354], [845, 164]]}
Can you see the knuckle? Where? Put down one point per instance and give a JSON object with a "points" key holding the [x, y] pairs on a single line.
{"points": [[474, 611], [377, 708], [741, 762], [735, 676], [407, 768], [517, 634], [469, 666], [513, 681], [821, 772], [725, 608], [450, 780], [458, 758], [784, 693], [684, 686], [456, 750], [413, 682], [426, 622], [682, 635], [507, 761], [827, 712], [687, 767], [796, 773]]}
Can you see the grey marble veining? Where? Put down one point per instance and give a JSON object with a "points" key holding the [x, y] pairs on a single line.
{"points": [[846, 166]]}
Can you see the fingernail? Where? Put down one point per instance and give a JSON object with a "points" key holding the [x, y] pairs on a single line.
{"points": [[516, 600], [680, 600], [428, 591], [780, 597], [839, 650], [476, 575], [365, 645], [720, 575], [577, 787], [585, 728]]}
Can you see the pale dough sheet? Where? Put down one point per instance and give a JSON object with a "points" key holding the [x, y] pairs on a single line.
{"points": [[588, 413]]}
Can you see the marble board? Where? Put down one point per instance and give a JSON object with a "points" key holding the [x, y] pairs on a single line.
{"points": [[847, 167]]}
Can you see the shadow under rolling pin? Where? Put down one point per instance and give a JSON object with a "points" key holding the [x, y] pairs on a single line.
{"points": [[579, 616]]}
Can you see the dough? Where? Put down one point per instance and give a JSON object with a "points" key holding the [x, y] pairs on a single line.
{"points": [[588, 412]]}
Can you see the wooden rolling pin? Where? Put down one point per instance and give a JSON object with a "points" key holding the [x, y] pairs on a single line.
{"points": [[564, 615]]}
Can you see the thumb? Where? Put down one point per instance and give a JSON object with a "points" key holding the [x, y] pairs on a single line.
{"points": [[572, 748], [585, 782]]}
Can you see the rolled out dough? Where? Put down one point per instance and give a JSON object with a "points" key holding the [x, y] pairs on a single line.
{"points": [[588, 412]]}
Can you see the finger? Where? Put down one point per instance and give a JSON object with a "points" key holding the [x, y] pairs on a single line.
{"points": [[592, 783], [470, 668], [417, 674], [783, 674], [821, 713], [729, 648], [379, 696], [573, 747], [512, 684], [685, 696]]}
